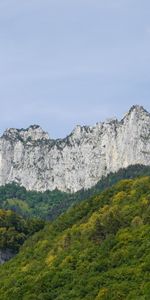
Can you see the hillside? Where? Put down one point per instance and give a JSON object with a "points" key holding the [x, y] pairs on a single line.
{"points": [[98, 250], [50, 204]]}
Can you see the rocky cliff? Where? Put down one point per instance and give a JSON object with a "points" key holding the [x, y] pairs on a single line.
{"points": [[30, 158]]}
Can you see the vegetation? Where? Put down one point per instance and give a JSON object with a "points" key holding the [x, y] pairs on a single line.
{"points": [[50, 204], [98, 250], [14, 230]]}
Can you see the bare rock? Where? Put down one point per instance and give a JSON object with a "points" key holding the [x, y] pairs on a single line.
{"points": [[30, 158]]}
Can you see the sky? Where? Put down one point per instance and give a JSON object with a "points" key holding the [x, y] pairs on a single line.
{"points": [[64, 63]]}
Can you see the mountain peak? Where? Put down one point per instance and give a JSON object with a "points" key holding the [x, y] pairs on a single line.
{"points": [[32, 133], [138, 109], [135, 111]]}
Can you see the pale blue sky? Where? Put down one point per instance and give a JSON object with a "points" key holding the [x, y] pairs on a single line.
{"points": [[68, 62]]}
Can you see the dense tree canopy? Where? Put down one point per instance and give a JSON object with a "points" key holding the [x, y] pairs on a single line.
{"points": [[98, 250], [14, 230]]}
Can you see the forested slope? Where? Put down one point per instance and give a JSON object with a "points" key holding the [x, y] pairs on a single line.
{"points": [[99, 249]]}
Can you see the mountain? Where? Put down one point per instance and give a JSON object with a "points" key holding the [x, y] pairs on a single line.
{"points": [[50, 204], [30, 158], [98, 250]]}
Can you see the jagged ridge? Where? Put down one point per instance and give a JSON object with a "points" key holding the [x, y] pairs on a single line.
{"points": [[30, 158]]}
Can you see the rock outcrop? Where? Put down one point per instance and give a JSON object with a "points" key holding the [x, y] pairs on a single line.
{"points": [[30, 158], [6, 255]]}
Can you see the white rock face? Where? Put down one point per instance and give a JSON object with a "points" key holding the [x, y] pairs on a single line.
{"points": [[30, 158]]}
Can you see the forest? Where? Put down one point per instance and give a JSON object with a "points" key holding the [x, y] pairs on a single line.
{"points": [[97, 250]]}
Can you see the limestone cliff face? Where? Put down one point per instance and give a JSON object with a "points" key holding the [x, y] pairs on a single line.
{"points": [[32, 159]]}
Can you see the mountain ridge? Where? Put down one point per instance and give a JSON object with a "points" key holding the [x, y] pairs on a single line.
{"points": [[137, 108], [33, 160]]}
